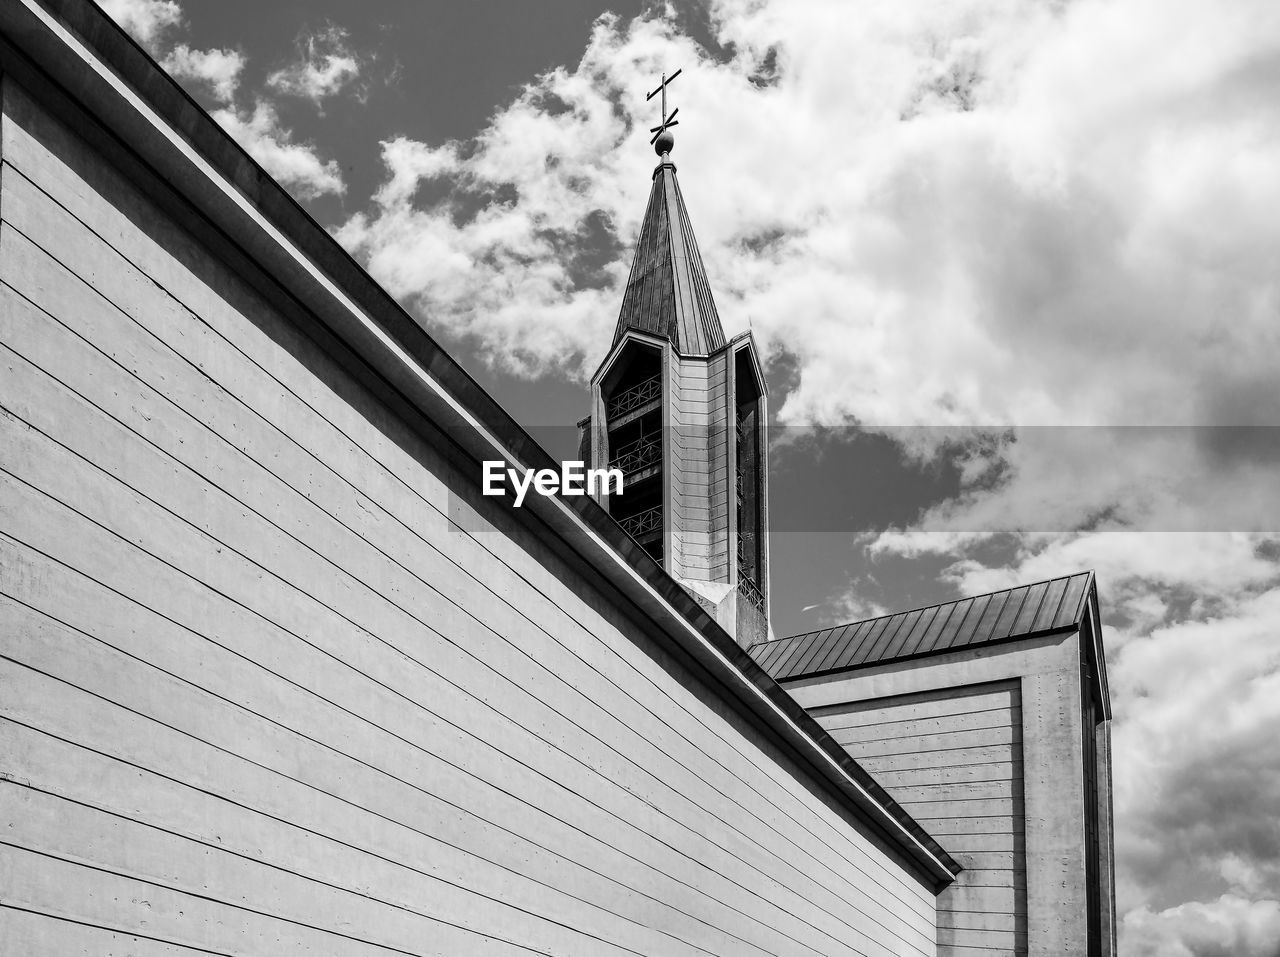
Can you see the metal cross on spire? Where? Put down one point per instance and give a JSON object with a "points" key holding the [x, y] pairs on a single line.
{"points": [[667, 120]]}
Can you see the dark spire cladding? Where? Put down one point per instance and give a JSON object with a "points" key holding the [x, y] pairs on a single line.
{"points": [[667, 293]]}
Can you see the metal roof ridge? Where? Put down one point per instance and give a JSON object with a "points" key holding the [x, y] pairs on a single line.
{"points": [[937, 604]]}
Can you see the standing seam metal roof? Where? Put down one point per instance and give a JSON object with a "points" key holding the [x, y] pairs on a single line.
{"points": [[983, 619], [667, 292]]}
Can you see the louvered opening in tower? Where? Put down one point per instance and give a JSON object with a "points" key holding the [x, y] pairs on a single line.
{"points": [[633, 418]]}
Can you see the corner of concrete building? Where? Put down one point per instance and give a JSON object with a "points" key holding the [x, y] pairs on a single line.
{"points": [[985, 748]]}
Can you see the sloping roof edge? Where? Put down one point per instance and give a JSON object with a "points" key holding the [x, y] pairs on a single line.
{"points": [[70, 52], [1006, 615]]}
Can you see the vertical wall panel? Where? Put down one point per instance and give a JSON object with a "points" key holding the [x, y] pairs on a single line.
{"points": [[700, 483], [953, 759]]}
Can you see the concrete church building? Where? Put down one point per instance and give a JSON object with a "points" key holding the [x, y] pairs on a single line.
{"points": [[276, 678]]}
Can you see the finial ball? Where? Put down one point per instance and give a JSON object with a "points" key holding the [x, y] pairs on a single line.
{"points": [[665, 142]]}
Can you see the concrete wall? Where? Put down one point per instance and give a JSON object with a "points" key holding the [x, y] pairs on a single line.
{"points": [[953, 758], [698, 466], [274, 679], [1030, 697]]}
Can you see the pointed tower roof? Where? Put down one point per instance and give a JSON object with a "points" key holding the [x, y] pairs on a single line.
{"points": [[667, 293]]}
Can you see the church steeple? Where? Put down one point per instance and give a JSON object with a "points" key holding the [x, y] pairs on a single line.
{"points": [[667, 293], [681, 412]]}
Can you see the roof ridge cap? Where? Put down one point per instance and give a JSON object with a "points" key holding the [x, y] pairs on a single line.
{"points": [[936, 604]]}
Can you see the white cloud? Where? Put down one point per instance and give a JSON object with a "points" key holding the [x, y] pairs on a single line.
{"points": [[1227, 927], [1082, 246], [500, 248], [1072, 179], [218, 69], [848, 604], [296, 165], [147, 20], [1197, 705], [326, 63], [1195, 683]]}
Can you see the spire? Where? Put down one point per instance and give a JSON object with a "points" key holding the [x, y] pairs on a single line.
{"points": [[667, 293]]}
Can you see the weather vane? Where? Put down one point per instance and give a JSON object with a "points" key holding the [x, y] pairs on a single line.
{"points": [[668, 121]]}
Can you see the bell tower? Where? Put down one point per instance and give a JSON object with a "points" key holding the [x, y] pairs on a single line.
{"points": [[682, 413]]}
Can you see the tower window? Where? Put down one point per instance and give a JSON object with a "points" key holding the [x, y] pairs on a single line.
{"points": [[632, 397], [749, 484]]}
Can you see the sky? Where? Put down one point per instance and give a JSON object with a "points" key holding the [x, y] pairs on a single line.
{"points": [[1012, 266]]}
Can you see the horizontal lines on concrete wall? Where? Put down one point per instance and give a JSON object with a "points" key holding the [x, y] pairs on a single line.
{"points": [[953, 759], [276, 694]]}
